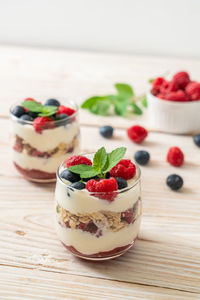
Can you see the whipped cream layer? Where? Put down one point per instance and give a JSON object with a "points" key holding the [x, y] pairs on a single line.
{"points": [[81, 201], [48, 165], [49, 138], [88, 244]]}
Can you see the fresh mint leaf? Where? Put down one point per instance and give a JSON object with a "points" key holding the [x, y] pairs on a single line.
{"points": [[33, 106], [151, 80], [88, 103], [42, 110], [144, 101], [124, 90], [136, 109], [100, 108], [99, 160], [79, 169], [120, 107], [113, 158], [89, 174]]}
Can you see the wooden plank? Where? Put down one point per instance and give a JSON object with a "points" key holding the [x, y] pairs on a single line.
{"points": [[167, 252], [51, 285]]}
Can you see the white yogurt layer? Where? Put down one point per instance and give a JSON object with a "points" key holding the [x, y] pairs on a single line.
{"points": [[49, 165], [49, 138], [88, 244], [81, 201]]}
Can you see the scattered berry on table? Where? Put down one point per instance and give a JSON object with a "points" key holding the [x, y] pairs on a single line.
{"points": [[142, 157], [18, 111], [65, 110], [78, 185], [174, 181], [137, 133], [193, 90], [196, 139], [26, 118], [181, 79], [70, 176], [41, 123], [124, 169], [53, 102], [121, 182], [78, 160], [106, 131], [175, 156]]}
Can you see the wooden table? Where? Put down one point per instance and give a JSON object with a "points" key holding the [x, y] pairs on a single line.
{"points": [[165, 262]]}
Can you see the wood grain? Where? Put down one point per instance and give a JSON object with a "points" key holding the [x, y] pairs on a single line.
{"points": [[165, 262]]}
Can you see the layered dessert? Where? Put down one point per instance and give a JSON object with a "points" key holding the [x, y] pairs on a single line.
{"points": [[98, 204], [42, 136]]}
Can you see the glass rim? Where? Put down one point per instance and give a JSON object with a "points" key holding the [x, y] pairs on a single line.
{"points": [[75, 106], [126, 189]]}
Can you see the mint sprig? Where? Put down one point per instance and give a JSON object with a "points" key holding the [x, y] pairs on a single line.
{"points": [[102, 163], [122, 103], [42, 110]]}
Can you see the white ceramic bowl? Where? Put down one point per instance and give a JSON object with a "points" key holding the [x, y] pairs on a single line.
{"points": [[173, 117]]}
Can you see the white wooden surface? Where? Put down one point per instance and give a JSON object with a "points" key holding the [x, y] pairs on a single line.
{"points": [[165, 262]]}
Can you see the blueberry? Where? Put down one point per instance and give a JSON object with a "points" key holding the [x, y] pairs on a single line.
{"points": [[18, 111], [196, 139], [107, 175], [142, 157], [63, 120], [70, 176], [78, 185], [121, 182], [106, 131], [33, 114], [175, 182], [53, 102], [26, 118]]}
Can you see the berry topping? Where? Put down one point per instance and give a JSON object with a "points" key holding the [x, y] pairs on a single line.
{"points": [[106, 131], [102, 185], [181, 79], [121, 182], [193, 90], [33, 114], [26, 118], [18, 111], [62, 117], [41, 123], [175, 156], [137, 133], [142, 157], [65, 110], [78, 185], [176, 96], [29, 99], [124, 169], [175, 182], [196, 139], [53, 102], [78, 160], [70, 176]]}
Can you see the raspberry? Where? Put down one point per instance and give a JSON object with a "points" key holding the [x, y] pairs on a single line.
{"points": [[158, 82], [193, 90], [65, 110], [175, 156], [137, 133], [161, 96], [29, 99], [125, 169], [181, 79], [41, 123], [164, 88], [104, 187], [78, 160], [172, 87], [176, 96]]}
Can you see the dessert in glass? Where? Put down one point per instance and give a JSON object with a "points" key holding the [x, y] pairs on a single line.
{"points": [[98, 214], [42, 136]]}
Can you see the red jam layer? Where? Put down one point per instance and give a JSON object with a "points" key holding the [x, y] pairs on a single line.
{"points": [[106, 254], [35, 174]]}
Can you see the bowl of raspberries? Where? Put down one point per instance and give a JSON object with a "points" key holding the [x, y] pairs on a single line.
{"points": [[174, 105]]}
